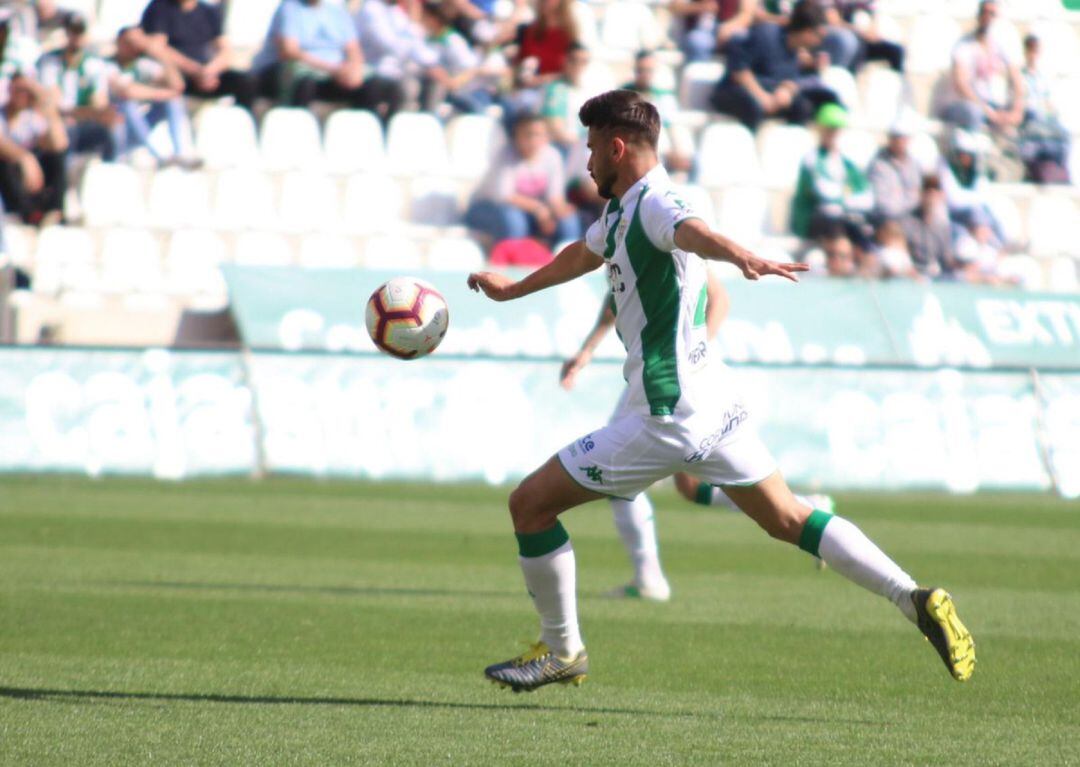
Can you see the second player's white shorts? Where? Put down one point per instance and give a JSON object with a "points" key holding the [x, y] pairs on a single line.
{"points": [[635, 450]]}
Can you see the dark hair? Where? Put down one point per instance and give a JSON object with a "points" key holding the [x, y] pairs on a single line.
{"points": [[984, 3], [1031, 41], [625, 113], [643, 54], [931, 183], [526, 118], [806, 14]]}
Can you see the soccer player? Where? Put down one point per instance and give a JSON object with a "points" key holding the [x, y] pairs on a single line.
{"points": [[634, 518], [681, 413]]}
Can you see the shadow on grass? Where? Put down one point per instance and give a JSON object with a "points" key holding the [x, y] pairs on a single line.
{"points": [[271, 588], [47, 695]]}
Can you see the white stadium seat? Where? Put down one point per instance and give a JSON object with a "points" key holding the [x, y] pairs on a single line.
{"points": [[178, 198], [309, 202], [19, 244], [1060, 48], [373, 203], [1063, 274], [130, 261], [262, 249], [473, 140], [782, 149], [192, 263], [327, 251], [290, 140], [353, 142], [1054, 225], [115, 14], [743, 213], [930, 43], [924, 149], [225, 137], [63, 252], [392, 252], [112, 194], [244, 199], [1008, 214], [697, 82], [860, 146], [727, 155], [455, 254], [882, 96], [1024, 268], [415, 145], [629, 27], [842, 83], [434, 202]]}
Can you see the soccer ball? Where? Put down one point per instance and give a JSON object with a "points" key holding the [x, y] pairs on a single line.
{"points": [[407, 318]]}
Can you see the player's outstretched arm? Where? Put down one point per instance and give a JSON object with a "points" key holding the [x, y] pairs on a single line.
{"points": [[572, 366], [694, 236], [573, 261]]}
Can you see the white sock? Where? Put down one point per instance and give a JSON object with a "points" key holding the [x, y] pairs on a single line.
{"points": [[849, 552], [637, 528], [552, 582]]}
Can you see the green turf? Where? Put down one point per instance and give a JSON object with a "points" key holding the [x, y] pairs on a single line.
{"points": [[295, 622]]}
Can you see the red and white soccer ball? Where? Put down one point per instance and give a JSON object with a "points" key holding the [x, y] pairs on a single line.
{"points": [[407, 318]]}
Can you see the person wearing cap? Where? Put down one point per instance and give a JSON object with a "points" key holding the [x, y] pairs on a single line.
{"points": [[895, 176], [80, 83], [770, 71], [189, 34], [833, 197]]}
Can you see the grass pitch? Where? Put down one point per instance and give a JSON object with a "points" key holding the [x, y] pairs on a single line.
{"points": [[296, 622]]}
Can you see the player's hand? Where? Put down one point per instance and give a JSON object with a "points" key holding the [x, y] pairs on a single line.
{"points": [[33, 176], [571, 367], [754, 268], [497, 287]]}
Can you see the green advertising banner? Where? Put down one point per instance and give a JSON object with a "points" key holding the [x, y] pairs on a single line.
{"points": [[815, 322], [171, 414]]}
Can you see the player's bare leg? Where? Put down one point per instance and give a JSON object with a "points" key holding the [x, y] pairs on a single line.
{"points": [[547, 562], [849, 552]]}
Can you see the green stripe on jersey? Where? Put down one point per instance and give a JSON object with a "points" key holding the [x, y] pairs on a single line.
{"points": [[702, 306], [609, 246], [658, 291]]}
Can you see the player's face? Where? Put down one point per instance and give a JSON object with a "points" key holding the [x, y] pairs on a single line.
{"points": [[602, 163]]}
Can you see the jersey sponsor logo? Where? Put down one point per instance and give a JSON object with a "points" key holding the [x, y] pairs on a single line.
{"points": [[697, 354], [586, 443], [732, 419], [594, 473], [614, 276]]}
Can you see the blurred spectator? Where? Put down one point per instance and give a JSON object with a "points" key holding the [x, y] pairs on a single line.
{"points": [[1044, 141], [853, 39], [189, 34], [523, 194], [312, 53], [563, 98], [929, 232], [895, 176], [986, 85], [706, 27], [833, 198], [146, 92], [458, 74], [978, 239], [80, 81], [33, 144], [768, 71], [475, 19], [544, 44], [43, 21], [677, 157], [393, 43], [893, 253]]}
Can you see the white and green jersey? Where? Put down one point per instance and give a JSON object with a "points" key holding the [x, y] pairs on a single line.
{"points": [[659, 296]]}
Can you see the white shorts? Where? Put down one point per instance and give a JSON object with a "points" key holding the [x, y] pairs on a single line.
{"points": [[635, 450]]}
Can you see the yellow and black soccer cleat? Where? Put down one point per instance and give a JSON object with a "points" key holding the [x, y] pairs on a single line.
{"points": [[538, 666], [940, 624]]}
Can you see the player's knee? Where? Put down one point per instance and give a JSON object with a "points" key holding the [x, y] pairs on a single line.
{"points": [[687, 487], [521, 509]]}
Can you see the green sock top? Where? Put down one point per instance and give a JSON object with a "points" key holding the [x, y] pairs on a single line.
{"points": [[813, 529], [544, 542]]}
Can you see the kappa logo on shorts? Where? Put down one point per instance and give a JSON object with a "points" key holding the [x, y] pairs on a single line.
{"points": [[594, 473], [732, 419], [586, 443]]}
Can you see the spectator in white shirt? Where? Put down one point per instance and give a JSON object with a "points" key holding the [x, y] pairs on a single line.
{"points": [[33, 147]]}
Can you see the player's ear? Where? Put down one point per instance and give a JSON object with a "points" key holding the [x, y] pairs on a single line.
{"points": [[618, 148]]}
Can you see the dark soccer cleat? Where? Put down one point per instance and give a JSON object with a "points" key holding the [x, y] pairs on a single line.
{"points": [[940, 624], [538, 666]]}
